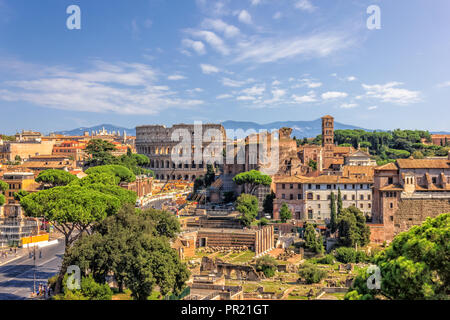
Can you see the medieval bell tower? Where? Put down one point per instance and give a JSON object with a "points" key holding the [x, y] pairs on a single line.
{"points": [[328, 140]]}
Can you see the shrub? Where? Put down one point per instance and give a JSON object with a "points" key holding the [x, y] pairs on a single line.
{"points": [[311, 273], [328, 259], [267, 264], [350, 255]]}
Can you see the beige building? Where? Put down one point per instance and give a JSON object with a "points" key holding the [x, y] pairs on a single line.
{"points": [[309, 197]]}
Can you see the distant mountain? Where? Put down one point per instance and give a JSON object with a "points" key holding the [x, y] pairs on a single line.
{"points": [[108, 127], [440, 132], [300, 129]]}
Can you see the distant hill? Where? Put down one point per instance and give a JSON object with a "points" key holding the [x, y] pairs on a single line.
{"points": [[300, 129], [108, 127]]}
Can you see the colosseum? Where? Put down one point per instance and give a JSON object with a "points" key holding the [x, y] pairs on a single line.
{"points": [[155, 141]]}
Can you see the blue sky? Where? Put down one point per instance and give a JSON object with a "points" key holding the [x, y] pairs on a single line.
{"points": [[169, 61]]}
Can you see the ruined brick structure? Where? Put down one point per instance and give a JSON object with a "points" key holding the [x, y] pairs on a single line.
{"points": [[155, 141], [407, 192], [258, 240]]}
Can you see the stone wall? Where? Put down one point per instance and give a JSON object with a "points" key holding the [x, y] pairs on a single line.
{"points": [[413, 212]]}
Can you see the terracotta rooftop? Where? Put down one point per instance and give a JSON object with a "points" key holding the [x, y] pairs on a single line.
{"points": [[423, 164], [358, 170], [324, 179], [387, 166]]}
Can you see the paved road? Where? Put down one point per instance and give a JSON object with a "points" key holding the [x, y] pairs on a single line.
{"points": [[16, 277]]}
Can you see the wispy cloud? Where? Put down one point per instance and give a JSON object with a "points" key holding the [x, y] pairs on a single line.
{"points": [[197, 46], [176, 77], [124, 88], [268, 50], [218, 25], [333, 95], [390, 93], [305, 5], [212, 39], [209, 69], [348, 105], [444, 84]]}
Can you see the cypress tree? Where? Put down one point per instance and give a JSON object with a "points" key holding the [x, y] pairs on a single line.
{"points": [[339, 203], [333, 220]]}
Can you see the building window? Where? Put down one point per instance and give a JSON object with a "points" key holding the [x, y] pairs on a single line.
{"points": [[291, 197], [291, 186], [362, 197], [369, 205], [353, 197], [361, 206], [283, 186], [299, 186], [391, 205], [283, 196], [328, 186], [318, 197], [318, 206], [310, 196], [299, 196], [318, 186], [392, 218], [345, 197], [390, 180], [434, 179], [309, 186]]}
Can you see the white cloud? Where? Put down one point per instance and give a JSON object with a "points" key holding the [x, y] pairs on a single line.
{"points": [[123, 88], [372, 108], [310, 97], [390, 93], [197, 46], [333, 95], [267, 50], [233, 83], [444, 84], [276, 83], [224, 96], [245, 17], [195, 90], [305, 5], [209, 69], [277, 15], [212, 39], [351, 78], [348, 105], [228, 30], [245, 98], [255, 2], [176, 77], [255, 90]]}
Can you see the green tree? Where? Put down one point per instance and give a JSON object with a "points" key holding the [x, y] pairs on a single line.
{"points": [[267, 264], [339, 203], [70, 208], [247, 205], [100, 152], [333, 218], [285, 213], [103, 178], [263, 222], [123, 173], [90, 290], [310, 273], [417, 155], [268, 202], [352, 228], [55, 178], [165, 223], [3, 187], [310, 237], [134, 247], [210, 175], [253, 179], [312, 164], [20, 194], [416, 263]]}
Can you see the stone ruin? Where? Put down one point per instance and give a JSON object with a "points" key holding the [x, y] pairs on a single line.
{"points": [[227, 250], [286, 255], [229, 270]]}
